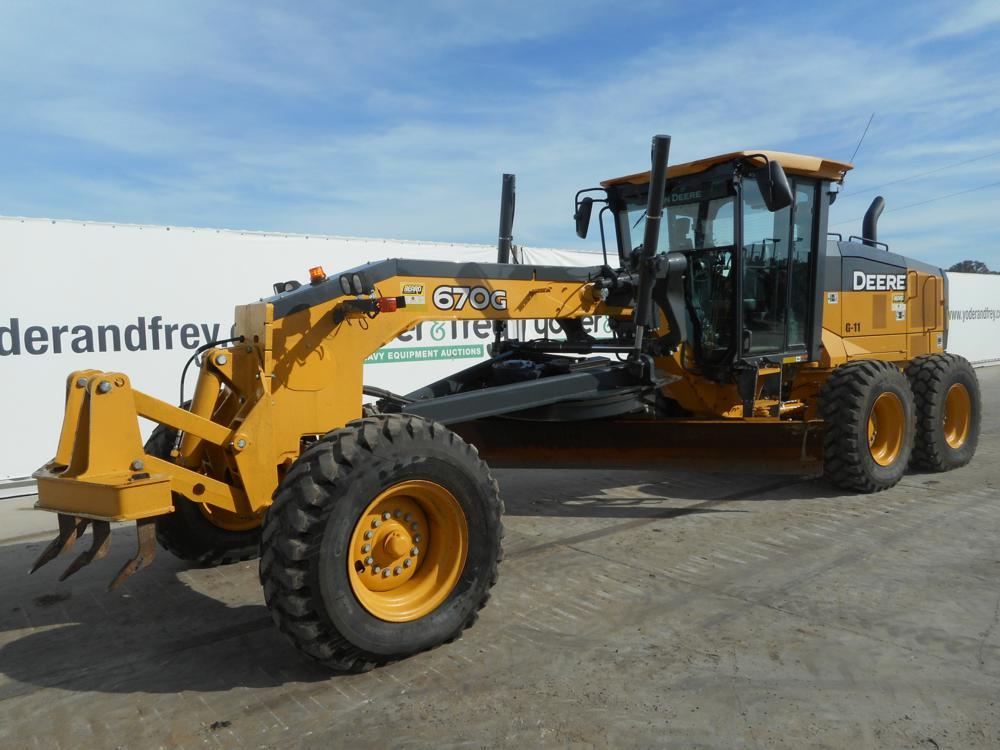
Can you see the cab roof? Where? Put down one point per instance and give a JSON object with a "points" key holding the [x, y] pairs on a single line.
{"points": [[800, 164]]}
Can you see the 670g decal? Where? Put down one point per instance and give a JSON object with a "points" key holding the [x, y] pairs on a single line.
{"points": [[478, 297]]}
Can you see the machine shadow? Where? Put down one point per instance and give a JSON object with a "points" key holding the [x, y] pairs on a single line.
{"points": [[155, 634], [665, 493]]}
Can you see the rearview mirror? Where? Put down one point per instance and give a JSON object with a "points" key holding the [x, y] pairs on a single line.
{"points": [[773, 186], [582, 217]]}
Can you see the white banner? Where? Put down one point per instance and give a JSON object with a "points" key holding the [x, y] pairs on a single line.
{"points": [[974, 316]]}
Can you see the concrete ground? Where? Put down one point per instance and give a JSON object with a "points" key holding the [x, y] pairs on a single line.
{"points": [[661, 609]]}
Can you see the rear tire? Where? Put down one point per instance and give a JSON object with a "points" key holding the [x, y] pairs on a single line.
{"points": [[187, 533], [946, 392], [869, 415], [331, 599]]}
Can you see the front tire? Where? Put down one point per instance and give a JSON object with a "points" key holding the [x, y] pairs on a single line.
{"points": [[869, 414], [383, 540], [948, 406]]}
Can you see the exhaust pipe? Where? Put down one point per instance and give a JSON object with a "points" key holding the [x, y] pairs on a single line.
{"points": [[869, 226], [505, 241], [654, 212], [506, 238]]}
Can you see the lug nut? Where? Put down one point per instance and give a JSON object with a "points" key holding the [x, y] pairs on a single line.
{"points": [[417, 539], [407, 562], [387, 515], [369, 560], [376, 570], [397, 571], [104, 387], [137, 465], [369, 534], [414, 551], [376, 523], [398, 513], [366, 548], [386, 573], [408, 517], [414, 525]]}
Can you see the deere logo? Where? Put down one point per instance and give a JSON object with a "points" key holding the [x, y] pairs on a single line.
{"points": [[693, 195], [878, 282]]}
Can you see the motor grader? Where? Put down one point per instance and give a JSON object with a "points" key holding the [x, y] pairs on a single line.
{"points": [[732, 312]]}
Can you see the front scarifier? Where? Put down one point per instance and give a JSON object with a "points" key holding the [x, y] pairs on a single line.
{"points": [[384, 540], [199, 485], [99, 475]]}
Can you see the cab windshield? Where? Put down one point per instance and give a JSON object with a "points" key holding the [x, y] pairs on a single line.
{"points": [[698, 214], [699, 218]]}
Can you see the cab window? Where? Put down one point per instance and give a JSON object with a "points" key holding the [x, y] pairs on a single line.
{"points": [[765, 272], [777, 269]]}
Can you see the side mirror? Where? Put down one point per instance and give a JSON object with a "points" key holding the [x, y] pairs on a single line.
{"points": [[773, 186], [582, 216]]}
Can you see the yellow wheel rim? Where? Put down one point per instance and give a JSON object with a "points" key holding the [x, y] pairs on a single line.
{"points": [[408, 550], [886, 427], [957, 415], [226, 519]]}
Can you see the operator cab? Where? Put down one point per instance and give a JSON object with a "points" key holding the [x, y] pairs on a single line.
{"points": [[748, 224]]}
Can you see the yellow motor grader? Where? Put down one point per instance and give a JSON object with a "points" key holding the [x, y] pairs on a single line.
{"points": [[732, 312]]}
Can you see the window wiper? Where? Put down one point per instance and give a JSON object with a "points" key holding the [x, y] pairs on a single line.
{"points": [[643, 216]]}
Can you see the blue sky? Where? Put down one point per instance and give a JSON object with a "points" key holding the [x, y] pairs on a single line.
{"points": [[397, 119]]}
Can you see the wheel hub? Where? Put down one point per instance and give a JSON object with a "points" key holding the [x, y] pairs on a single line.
{"points": [[388, 541], [407, 550], [957, 415], [396, 544], [886, 428]]}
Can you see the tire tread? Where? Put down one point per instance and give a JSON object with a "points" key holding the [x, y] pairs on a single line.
{"points": [[842, 404], [928, 375], [295, 521]]}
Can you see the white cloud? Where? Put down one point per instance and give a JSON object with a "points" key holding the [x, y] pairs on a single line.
{"points": [[958, 19]]}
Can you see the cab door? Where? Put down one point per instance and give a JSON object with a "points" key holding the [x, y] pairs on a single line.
{"points": [[777, 271]]}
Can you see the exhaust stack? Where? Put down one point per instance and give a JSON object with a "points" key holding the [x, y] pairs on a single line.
{"points": [[869, 226], [505, 240], [506, 237], [654, 212]]}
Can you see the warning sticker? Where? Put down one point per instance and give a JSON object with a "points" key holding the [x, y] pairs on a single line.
{"points": [[414, 294]]}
